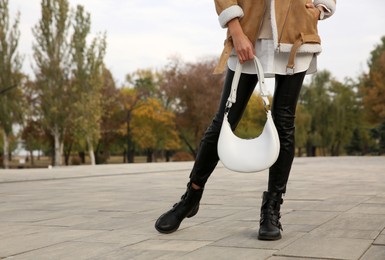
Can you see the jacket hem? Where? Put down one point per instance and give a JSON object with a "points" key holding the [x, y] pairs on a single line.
{"points": [[305, 48]]}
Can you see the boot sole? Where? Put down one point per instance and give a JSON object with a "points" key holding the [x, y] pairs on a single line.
{"points": [[167, 231], [192, 214], [269, 238]]}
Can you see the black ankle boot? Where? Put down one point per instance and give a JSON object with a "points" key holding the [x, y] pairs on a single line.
{"points": [[270, 227], [188, 207]]}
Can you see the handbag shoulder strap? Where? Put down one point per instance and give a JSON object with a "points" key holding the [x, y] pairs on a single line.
{"points": [[261, 81]]}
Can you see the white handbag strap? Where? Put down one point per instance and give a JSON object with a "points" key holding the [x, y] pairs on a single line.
{"points": [[261, 81]]}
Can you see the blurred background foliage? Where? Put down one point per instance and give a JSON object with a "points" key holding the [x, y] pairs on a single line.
{"points": [[72, 112]]}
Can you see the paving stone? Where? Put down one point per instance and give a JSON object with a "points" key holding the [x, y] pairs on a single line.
{"points": [[132, 254], [249, 239], [357, 221], [334, 209], [318, 205], [292, 258], [374, 253], [24, 243], [123, 237], [380, 240], [346, 233], [169, 245], [369, 208], [68, 251], [321, 247], [230, 253], [308, 217], [200, 233]]}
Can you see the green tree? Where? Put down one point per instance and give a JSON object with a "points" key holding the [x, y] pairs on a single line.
{"points": [[87, 80], [10, 77], [52, 57], [345, 115], [302, 128], [316, 100], [253, 119]]}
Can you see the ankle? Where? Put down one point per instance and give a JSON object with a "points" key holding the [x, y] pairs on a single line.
{"points": [[195, 187]]}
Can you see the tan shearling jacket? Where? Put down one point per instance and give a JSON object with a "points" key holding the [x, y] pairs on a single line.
{"points": [[294, 26]]}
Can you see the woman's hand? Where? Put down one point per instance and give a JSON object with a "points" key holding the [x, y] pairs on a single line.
{"points": [[242, 45], [316, 11]]}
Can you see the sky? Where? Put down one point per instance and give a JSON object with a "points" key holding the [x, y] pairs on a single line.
{"points": [[144, 34]]}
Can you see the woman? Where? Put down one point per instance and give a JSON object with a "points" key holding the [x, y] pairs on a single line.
{"points": [[283, 35]]}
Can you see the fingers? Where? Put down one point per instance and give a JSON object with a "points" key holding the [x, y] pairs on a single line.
{"points": [[313, 7], [244, 48], [245, 55], [310, 5]]}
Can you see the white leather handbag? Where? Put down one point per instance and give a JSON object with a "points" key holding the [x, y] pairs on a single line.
{"points": [[248, 155]]}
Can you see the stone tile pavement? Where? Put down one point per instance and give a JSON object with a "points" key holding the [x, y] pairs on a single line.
{"points": [[334, 209]]}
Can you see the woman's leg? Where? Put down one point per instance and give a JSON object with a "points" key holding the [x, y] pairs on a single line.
{"points": [[287, 89], [286, 94], [207, 157]]}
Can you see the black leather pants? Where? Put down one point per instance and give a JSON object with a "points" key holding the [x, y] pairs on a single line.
{"points": [[287, 89]]}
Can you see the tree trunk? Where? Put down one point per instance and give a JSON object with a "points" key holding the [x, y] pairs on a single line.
{"points": [[5, 149], [82, 156], [32, 160], [168, 155], [57, 147], [150, 153], [299, 151], [130, 145], [67, 154], [91, 151]]}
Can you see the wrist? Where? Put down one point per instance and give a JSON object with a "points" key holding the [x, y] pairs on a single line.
{"points": [[234, 27]]}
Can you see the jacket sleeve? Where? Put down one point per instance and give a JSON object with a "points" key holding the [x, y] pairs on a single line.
{"points": [[329, 4], [227, 10]]}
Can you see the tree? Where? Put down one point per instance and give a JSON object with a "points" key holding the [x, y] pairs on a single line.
{"points": [[372, 88], [111, 118], [87, 80], [316, 100], [373, 85], [253, 119], [10, 77], [153, 128], [52, 57], [302, 128], [128, 99], [345, 115], [193, 93], [140, 85]]}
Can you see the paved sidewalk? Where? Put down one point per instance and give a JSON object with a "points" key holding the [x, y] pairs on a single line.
{"points": [[334, 209]]}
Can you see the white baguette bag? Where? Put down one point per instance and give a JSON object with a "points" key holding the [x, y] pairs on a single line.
{"points": [[248, 155]]}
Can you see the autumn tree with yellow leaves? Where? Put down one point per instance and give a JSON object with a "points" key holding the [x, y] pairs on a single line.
{"points": [[153, 128], [373, 94]]}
